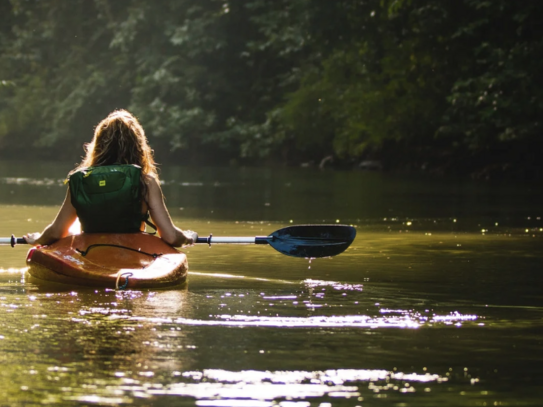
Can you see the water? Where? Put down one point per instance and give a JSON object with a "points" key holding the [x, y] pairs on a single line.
{"points": [[437, 302]]}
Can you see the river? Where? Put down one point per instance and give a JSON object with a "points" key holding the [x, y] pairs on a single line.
{"points": [[437, 302]]}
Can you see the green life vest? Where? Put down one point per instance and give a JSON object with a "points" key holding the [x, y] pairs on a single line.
{"points": [[107, 199]]}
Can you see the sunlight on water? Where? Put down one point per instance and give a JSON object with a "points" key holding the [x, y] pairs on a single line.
{"points": [[241, 277], [216, 387], [94, 399], [406, 319], [32, 181], [321, 299], [313, 322], [13, 270], [334, 284]]}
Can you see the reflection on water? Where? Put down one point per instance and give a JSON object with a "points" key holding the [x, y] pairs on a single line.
{"points": [[312, 300], [215, 387], [403, 320], [108, 347], [14, 270], [43, 182], [281, 195], [302, 385], [437, 301]]}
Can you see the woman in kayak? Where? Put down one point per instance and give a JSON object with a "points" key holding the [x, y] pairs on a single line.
{"points": [[115, 188]]}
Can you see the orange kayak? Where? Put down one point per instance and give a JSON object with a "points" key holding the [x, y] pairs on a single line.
{"points": [[131, 260]]}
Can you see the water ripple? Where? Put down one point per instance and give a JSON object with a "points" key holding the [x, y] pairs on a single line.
{"points": [[334, 284], [32, 181], [217, 387], [405, 319], [13, 270]]}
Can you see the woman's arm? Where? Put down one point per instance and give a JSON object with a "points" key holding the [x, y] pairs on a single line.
{"points": [[161, 217], [58, 229]]}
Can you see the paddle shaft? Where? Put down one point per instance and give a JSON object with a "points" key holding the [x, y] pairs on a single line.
{"points": [[208, 240], [12, 241], [239, 240]]}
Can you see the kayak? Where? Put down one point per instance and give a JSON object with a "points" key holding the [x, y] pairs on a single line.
{"points": [[130, 260]]}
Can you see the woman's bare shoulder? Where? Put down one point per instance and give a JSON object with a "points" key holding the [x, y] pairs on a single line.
{"points": [[151, 179], [154, 191]]}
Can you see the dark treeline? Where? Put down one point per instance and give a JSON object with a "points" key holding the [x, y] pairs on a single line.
{"points": [[448, 86]]}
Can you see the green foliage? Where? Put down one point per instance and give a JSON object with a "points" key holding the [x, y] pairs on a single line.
{"points": [[373, 89], [497, 98], [284, 80]]}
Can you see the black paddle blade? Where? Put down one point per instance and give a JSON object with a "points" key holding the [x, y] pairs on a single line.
{"points": [[312, 241]]}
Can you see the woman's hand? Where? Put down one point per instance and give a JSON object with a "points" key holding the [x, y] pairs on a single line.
{"points": [[190, 237], [32, 238]]}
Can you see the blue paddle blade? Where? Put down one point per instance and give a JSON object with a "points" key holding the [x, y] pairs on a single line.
{"points": [[312, 241]]}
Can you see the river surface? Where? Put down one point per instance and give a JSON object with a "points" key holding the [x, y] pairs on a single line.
{"points": [[438, 302]]}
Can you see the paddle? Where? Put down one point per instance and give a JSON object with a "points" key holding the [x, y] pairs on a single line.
{"points": [[309, 241]]}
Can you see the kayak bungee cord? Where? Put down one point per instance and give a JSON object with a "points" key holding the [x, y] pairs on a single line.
{"points": [[125, 275], [84, 252]]}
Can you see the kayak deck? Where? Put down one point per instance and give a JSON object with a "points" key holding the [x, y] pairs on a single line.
{"points": [[131, 260]]}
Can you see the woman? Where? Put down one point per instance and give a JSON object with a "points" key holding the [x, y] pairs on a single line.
{"points": [[115, 188]]}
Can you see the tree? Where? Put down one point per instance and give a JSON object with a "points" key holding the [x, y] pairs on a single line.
{"points": [[497, 97], [412, 83]]}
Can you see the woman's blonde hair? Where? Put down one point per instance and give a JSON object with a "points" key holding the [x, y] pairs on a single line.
{"points": [[120, 139]]}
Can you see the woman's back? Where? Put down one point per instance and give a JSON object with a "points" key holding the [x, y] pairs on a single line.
{"points": [[115, 188], [108, 199]]}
